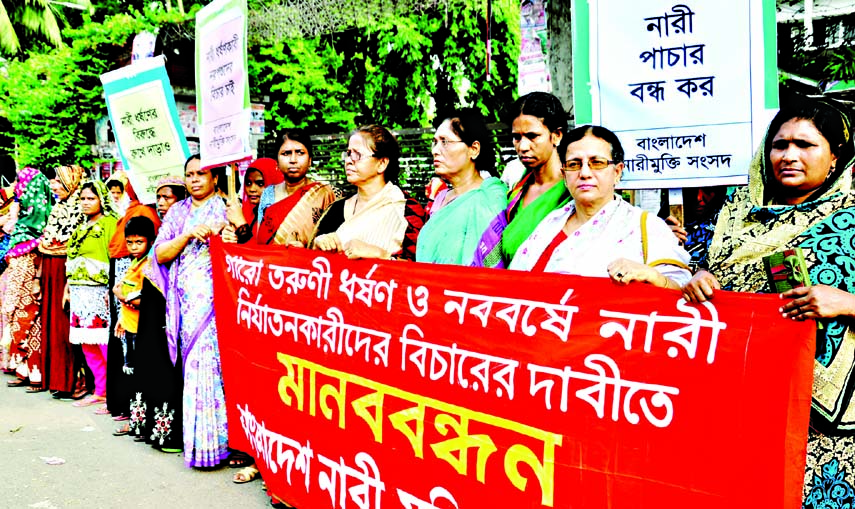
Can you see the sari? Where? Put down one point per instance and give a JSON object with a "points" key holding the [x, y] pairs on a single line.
{"points": [[20, 319], [62, 363], [187, 284], [508, 230], [385, 221], [618, 230], [453, 231], [750, 227], [292, 218]]}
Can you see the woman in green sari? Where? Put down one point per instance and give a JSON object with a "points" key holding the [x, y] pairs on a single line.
{"points": [[799, 195], [463, 153], [538, 123]]}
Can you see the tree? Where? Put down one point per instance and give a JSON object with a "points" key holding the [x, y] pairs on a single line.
{"points": [[52, 99], [28, 20], [401, 70]]}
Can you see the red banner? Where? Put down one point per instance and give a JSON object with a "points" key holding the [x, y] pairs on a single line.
{"points": [[369, 384]]}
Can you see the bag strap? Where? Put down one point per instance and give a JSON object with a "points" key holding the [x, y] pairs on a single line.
{"points": [[644, 236]]}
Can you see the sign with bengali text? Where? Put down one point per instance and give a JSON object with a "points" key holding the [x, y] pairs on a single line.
{"points": [[688, 86], [146, 125], [368, 384], [222, 87]]}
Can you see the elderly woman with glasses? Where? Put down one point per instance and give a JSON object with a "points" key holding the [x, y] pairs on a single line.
{"points": [[597, 233], [380, 220]]}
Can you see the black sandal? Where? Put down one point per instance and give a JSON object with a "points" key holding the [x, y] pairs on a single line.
{"points": [[18, 382]]}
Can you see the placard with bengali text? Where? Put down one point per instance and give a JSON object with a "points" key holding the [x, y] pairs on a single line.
{"points": [[222, 86], [689, 86], [146, 125]]}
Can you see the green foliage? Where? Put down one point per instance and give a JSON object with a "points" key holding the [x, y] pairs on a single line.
{"points": [[399, 71], [52, 99], [841, 64], [25, 22]]}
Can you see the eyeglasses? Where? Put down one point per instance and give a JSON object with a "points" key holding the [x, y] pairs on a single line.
{"points": [[443, 143], [594, 163], [353, 156]]}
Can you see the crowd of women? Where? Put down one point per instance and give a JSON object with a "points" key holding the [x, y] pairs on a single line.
{"points": [[115, 310]]}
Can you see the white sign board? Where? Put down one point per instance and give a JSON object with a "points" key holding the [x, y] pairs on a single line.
{"points": [[689, 87]]}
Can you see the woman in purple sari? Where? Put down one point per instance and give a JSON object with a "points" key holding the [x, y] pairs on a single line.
{"points": [[182, 268]]}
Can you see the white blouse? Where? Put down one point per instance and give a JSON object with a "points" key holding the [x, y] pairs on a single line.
{"points": [[614, 232]]}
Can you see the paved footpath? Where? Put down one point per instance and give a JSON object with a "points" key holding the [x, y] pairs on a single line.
{"points": [[100, 470]]}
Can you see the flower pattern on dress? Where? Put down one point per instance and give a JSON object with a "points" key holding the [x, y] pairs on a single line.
{"points": [[162, 428], [831, 491], [137, 419]]}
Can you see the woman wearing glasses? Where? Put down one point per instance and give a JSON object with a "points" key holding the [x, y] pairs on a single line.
{"points": [[287, 211], [463, 153], [597, 233], [379, 221]]}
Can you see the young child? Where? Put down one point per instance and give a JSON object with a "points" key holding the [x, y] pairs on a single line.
{"points": [[139, 236]]}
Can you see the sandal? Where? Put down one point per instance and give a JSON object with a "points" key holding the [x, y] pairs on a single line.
{"points": [[18, 382], [89, 401], [170, 450], [33, 389], [245, 475], [239, 459], [120, 418], [122, 431], [102, 411]]}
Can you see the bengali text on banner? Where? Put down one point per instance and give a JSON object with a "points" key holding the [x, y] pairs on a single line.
{"points": [[368, 384]]}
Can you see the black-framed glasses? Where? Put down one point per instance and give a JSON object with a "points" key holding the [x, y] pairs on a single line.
{"points": [[353, 155], [443, 143], [594, 163]]}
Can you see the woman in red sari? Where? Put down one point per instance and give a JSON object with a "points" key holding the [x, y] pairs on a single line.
{"points": [[287, 212]]}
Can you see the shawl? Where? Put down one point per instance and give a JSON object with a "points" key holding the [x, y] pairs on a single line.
{"points": [[118, 246], [35, 199], [88, 260], [66, 215], [453, 231], [294, 217], [164, 276], [614, 232], [749, 228], [269, 169], [381, 222], [507, 231]]}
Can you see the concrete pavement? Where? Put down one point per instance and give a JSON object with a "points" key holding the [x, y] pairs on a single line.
{"points": [[100, 470]]}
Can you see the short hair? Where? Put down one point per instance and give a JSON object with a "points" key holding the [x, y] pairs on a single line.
{"points": [[384, 145], [116, 183], [300, 136], [470, 126], [142, 226], [542, 105], [596, 131]]}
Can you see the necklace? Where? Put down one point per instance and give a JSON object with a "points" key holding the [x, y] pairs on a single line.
{"points": [[354, 205]]}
